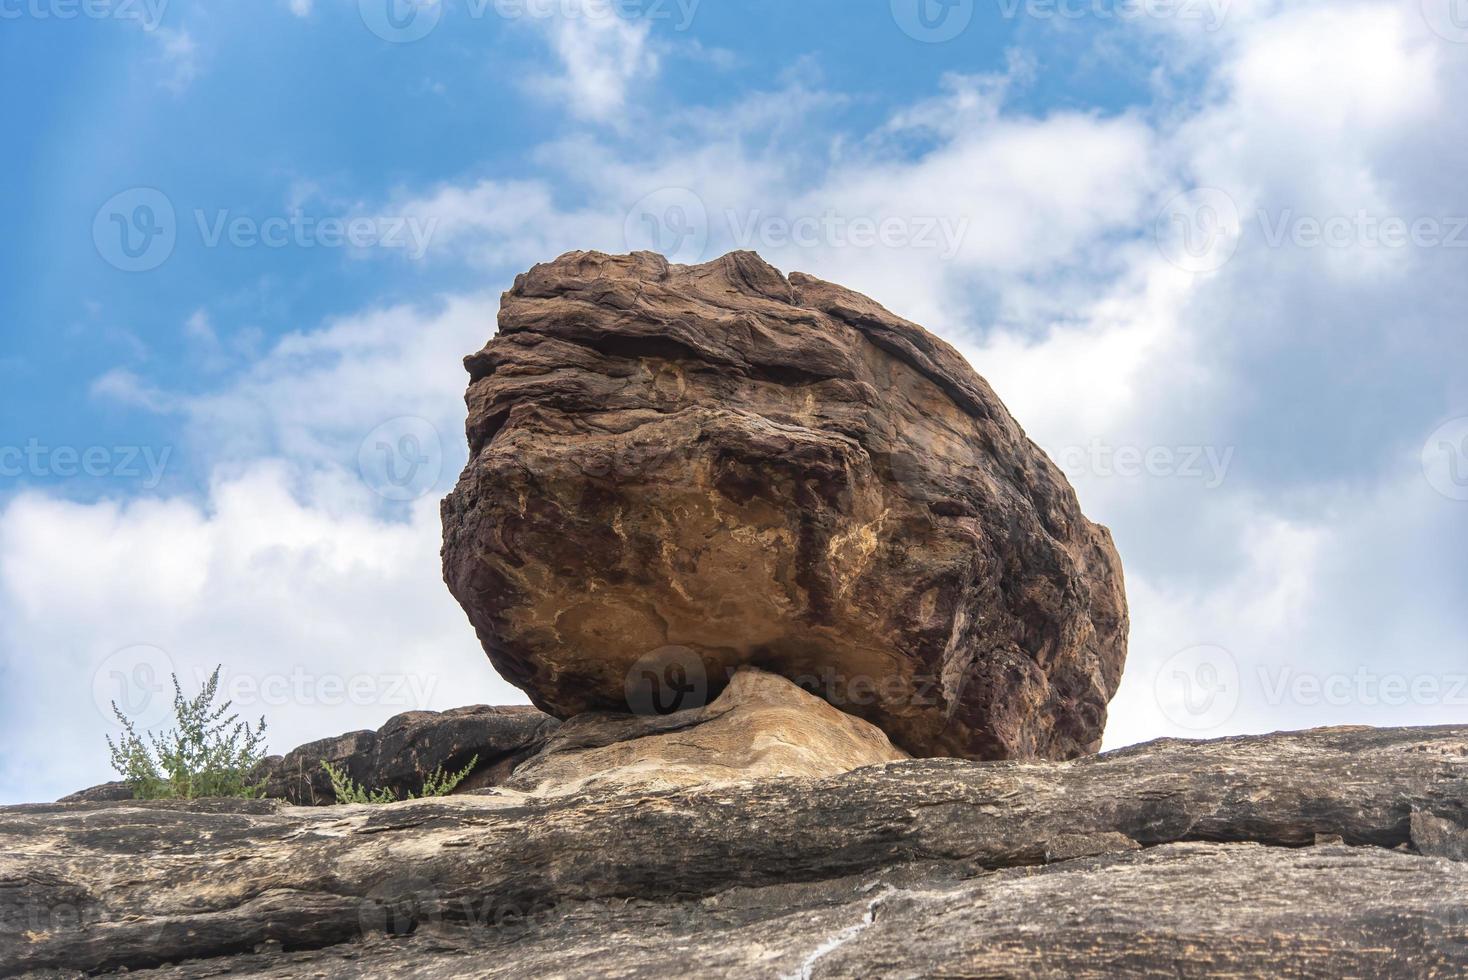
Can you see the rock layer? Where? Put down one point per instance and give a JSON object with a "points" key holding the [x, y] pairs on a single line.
{"points": [[1317, 854], [676, 471]]}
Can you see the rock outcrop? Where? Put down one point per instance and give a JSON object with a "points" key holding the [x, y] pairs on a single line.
{"points": [[677, 471], [397, 756], [761, 727], [1317, 854]]}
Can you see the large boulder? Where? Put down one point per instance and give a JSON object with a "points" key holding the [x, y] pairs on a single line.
{"points": [[675, 471]]}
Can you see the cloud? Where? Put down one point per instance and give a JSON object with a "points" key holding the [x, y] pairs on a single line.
{"points": [[327, 617], [178, 58], [601, 54], [298, 567], [125, 387]]}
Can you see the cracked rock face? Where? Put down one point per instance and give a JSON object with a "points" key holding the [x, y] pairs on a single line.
{"points": [[1331, 853], [677, 471]]}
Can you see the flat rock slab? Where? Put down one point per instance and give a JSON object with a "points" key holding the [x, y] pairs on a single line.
{"points": [[676, 471], [1306, 854]]}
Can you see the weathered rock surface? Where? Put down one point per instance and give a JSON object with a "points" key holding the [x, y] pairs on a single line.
{"points": [[398, 755], [1303, 855], [761, 727], [681, 470]]}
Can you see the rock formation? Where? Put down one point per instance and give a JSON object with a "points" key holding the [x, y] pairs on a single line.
{"points": [[677, 471], [761, 726], [397, 756], [1318, 854]]}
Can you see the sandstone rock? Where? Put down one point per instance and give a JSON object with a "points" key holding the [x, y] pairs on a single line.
{"points": [[761, 727], [1169, 859], [676, 471]]}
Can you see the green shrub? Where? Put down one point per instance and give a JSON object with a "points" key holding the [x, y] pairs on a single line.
{"points": [[438, 783], [211, 753]]}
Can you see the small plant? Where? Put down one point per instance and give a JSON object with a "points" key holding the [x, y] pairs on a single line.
{"points": [[211, 753], [438, 783]]}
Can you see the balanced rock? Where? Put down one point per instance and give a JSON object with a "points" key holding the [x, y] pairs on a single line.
{"points": [[676, 471]]}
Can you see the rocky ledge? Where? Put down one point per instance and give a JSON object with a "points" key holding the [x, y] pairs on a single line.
{"points": [[1327, 853]]}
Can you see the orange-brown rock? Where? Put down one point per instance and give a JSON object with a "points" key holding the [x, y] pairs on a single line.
{"points": [[675, 471]]}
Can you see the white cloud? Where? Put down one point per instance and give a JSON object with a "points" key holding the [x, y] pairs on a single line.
{"points": [[601, 56], [178, 58], [125, 387], [289, 569], [327, 617]]}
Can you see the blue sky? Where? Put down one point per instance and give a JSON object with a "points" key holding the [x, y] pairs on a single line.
{"points": [[1210, 252]]}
